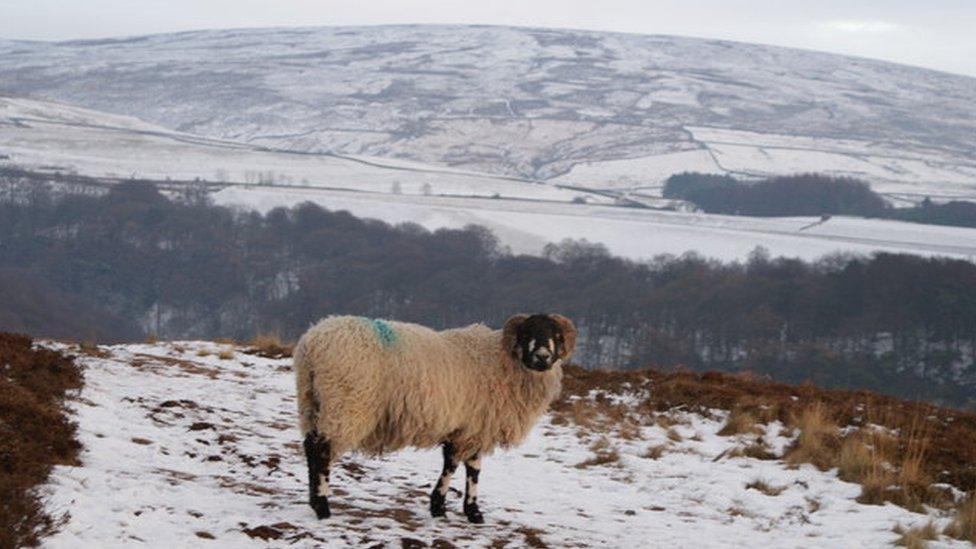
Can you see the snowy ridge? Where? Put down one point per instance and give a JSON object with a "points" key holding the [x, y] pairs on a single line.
{"points": [[191, 443], [531, 103]]}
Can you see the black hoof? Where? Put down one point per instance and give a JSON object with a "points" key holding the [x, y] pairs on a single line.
{"points": [[474, 514], [437, 505], [321, 507]]}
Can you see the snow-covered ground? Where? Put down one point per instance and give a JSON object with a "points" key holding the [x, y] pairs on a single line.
{"points": [[907, 175], [186, 450], [635, 233], [48, 136], [528, 102]]}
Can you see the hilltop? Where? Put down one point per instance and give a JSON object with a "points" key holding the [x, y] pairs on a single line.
{"points": [[192, 441]]}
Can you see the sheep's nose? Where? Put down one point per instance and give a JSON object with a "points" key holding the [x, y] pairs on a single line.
{"points": [[542, 352]]}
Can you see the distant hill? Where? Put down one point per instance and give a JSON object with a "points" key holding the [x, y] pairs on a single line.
{"points": [[601, 109]]}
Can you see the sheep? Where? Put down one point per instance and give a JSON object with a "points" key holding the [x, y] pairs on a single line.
{"points": [[377, 386]]}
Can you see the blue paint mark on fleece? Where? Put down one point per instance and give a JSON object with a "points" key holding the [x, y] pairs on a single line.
{"points": [[384, 331]]}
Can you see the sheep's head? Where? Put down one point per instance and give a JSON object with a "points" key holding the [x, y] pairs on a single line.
{"points": [[539, 342]]}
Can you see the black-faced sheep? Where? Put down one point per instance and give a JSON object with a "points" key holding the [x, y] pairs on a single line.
{"points": [[377, 386]]}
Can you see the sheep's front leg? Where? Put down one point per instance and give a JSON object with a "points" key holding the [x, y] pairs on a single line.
{"points": [[318, 455], [443, 483], [472, 468]]}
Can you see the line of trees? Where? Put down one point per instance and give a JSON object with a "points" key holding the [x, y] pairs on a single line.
{"points": [[131, 262], [806, 194]]}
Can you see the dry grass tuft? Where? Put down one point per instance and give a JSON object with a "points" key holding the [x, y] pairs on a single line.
{"points": [[226, 354], [856, 461], [963, 525], [666, 421], [655, 452], [270, 345], [737, 511], [739, 422], [628, 430], [818, 441], [903, 481], [759, 450], [674, 435], [582, 413], [766, 488], [204, 352], [912, 477], [604, 454], [915, 538], [877, 486], [91, 348]]}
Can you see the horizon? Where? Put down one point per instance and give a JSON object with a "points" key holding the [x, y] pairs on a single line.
{"points": [[567, 29], [935, 36]]}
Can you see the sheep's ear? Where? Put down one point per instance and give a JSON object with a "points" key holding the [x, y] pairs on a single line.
{"points": [[569, 334], [510, 330]]}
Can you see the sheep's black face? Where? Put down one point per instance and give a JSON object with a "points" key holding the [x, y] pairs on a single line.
{"points": [[539, 343]]}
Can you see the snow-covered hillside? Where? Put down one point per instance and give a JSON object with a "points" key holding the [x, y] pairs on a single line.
{"points": [[259, 115], [53, 137], [192, 443], [525, 215], [604, 109]]}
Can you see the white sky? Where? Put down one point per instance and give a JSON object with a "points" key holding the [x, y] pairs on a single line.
{"points": [[939, 34]]}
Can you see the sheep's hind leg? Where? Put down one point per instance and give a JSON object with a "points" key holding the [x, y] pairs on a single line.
{"points": [[438, 494], [472, 468], [318, 454]]}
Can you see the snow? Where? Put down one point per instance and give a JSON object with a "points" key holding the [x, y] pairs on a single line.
{"points": [[526, 102], [49, 136], [912, 170], [17, 108], [634, 173], [495, 125], [524, 215], [179, 446], [635, 233]]}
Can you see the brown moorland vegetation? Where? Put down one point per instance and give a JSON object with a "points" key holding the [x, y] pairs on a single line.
{"points": [[899, 451], [269, 345], [35, 434], [964, 524]]}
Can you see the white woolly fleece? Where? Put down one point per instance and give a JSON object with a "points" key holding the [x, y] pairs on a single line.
{"points": [[367, 389]]}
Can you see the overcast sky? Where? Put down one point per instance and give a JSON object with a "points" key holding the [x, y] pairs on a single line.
{"points": [[932, 33]]}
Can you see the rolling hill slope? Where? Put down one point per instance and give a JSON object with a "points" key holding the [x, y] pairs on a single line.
{"points": [[57, 138], [600, 109], [54, 138]]}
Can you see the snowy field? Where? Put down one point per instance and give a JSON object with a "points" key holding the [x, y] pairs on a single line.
{"points": [[187, 450], [54, 137], [635, 233], [906, 175], [524, 215]]}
